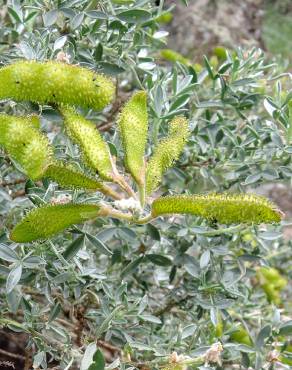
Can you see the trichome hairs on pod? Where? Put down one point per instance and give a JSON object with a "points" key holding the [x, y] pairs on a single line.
{"points": [[133, 125], [25, 144], [55, 82], [166, 152], [43, 222], [85, 134], [30, 148], [70, 177], [224, 208]]}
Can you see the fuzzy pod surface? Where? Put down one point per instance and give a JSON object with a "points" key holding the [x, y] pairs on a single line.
{"points": [[166, 152], [224, 208], [34, 121], [85, 134], [25, 144], [133, 125], [43, 222], [70, 177], [55, 82]]}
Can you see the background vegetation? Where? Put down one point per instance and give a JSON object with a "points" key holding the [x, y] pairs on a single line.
{"points": [[135, 296]]}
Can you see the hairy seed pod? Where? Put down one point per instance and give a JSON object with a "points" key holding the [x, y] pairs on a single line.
{"points": [[34, 120], [167, 151], [94, 149], [133, 124], [174, 367], [43, 222], [224, 208], [70, 177], [55, 82], [25, 144]]}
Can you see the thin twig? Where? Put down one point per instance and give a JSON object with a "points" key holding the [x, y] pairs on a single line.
{"points": [[7, 364], [17, 194], [12, 355], [12, 182], [28, 362], [111, 118], [108, 191], [108, 346]]}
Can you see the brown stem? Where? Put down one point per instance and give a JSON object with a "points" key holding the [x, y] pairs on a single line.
{"points": [[120, 180], [28, 362], [111, 118], [12, 355], [12, 182], [108, 346], [17, 194], [107, 190], [105, 127]]}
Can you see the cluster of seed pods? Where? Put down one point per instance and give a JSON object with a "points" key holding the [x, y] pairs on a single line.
{"points": [[65, 87]]}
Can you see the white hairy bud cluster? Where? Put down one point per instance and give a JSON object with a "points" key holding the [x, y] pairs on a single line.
{"points": [[129, 204]]}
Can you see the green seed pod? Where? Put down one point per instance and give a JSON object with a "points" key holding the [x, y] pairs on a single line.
{"points": [[172, 56], [25, 144], [220, 52], [272, 294], [84, 133], [70, 177], [224, 208], [219, 327], [240, 335], [164, 18], [55, 82], [167, 151], [133, 124], [272, 282], [270, 274], [43, 222]]}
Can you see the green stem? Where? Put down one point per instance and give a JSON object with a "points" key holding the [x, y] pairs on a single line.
{"points": [[144, 220], [224, 230], [107, 211], [120, 180], [111, 7], [142, 194], [165, 361], [6, 322], [59, 255], [136, 76]]}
